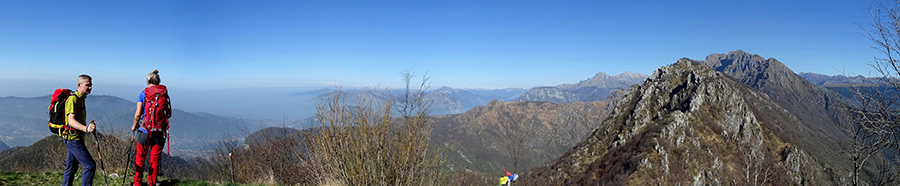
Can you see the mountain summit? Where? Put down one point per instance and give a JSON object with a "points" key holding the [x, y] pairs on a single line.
{"points": [[817, 130], [686, 124]]}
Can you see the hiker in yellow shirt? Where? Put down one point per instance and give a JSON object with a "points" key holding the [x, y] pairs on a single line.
{"points": [[76, 127]]}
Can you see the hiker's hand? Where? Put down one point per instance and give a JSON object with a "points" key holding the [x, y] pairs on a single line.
{"points": [[90, 128], [134, 128]]}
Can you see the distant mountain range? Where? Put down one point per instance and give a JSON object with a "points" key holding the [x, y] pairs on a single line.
{"points": [[454, 101], [445, 100], [592, 89], [826, 80], [846, 87], [3, 146]]}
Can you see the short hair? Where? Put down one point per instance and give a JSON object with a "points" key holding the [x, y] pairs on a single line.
{"points": [[84, 77], [153, 77]]}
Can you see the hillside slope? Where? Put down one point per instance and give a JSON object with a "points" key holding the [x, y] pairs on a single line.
{"points": [[496, 136], [687, 124]]}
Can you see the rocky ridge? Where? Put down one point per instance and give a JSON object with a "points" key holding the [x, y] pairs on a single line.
{"points": [[687, 124]]}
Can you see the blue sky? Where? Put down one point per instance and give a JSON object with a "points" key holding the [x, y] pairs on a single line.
{"points": [[482, 44]]}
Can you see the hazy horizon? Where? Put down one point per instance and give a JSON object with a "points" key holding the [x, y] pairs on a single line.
{"points": [[270, 103]]}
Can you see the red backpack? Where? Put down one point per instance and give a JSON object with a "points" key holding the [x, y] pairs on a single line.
{"points": [[57, 111], [156, 108]]}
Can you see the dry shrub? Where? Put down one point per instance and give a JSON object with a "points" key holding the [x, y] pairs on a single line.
{"points": [[273, 158], [276, 160], [467, 177], [760, 166], [365, 145]]}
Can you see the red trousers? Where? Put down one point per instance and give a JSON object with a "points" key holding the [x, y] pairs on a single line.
{"points": [[155, 144]]}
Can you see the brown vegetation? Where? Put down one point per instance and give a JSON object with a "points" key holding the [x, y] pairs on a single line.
{"points": [[365, 145], [516, 135]]}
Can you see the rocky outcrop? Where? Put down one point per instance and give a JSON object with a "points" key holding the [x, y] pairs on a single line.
{"points": [[686, 124]]}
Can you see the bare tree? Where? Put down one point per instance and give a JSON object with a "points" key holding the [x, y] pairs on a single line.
{"points": [[412, 102], [885, 173], [866, 123], [760, 168], [873, 117], [514, 129], [885, 33]]}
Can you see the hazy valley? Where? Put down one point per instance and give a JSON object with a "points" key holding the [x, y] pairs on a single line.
{"points": [[702, 122]]}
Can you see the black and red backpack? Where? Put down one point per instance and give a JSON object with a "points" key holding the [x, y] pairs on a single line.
{"points": [[57, 111], [157, 109]]}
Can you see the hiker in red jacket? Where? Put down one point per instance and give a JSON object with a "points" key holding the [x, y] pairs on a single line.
{"points": [[151, 118]]}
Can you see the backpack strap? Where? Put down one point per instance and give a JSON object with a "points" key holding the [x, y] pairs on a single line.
{"points": [[79, 107]]}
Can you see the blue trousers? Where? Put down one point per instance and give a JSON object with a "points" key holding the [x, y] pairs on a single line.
{"points": [[78, 153]]}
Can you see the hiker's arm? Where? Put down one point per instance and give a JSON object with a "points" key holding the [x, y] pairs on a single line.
{"points": [[78, 125], [137, 116]]}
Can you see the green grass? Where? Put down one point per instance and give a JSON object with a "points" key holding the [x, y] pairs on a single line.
{"points": [[55, 178]]}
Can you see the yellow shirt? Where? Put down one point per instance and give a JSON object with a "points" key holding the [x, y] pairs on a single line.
{"points": [[74, 101]]}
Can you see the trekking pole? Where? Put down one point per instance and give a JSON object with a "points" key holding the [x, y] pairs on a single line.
{"points": [[232, 167], [128, 163], [100, 155], [167, 151]]}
